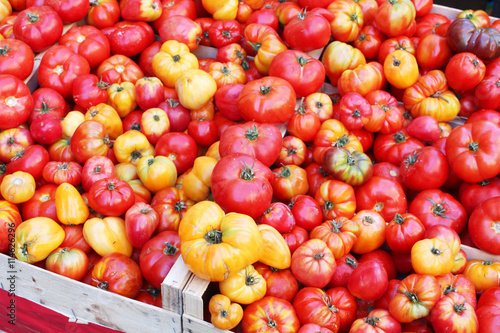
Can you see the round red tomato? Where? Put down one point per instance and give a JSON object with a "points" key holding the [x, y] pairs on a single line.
{"points": [[368, 281], [280, 282], [111, 196], [117, 273], [393, 148], [16, 58], [464, 71], [383, 195], [436, 207], [158, 256], [16, 102], [305, 73], [39, 27], [242, 184], [313, 305], [484, 225], [313, 264], [180, 148], [424, 168], [267, 100], [46, 129]]}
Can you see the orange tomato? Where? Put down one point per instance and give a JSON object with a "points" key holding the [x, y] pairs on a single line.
{"points": [[18, 187], [401, 69], [36, 238]]}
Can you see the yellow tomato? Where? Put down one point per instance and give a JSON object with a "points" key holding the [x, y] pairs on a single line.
{"points": [[244, 287], [36, 238], [215, 244], [157, 173], [225, 315], [173, 59], [131, 146], [18, 187], [70, 207], [221, 9], [107, 235], [401, 69], [432, 257], [197, 182], [126, 171], [5, 10], [195, 88], [106, 115], [71, 122], [276, 251], [121, 97]]}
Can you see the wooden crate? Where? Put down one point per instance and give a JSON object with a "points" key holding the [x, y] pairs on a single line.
{"points": [[85, 303], [32, 80]]}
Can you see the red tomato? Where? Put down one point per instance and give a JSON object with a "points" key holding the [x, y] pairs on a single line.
{"points": [[472, 195], [59, 68], [434, 207], [487, 92], [279, 216], [170, 8], [489, 297], [404, 231], [180, 148], [267, 100], [225, 32], [464, 71], [74, 238], [129, 38], [150, 295], [117, 273], [305, 73], [146, 58], [484, 226], [424, 168], [32, 160], [488, 318], [262, 141], [158, 256], [392, 289], [140, 223], [43, 203], [306, 211], [203, 131], [471, 150], [453, 313], [47, 100], [270, 312], [242, 184], [307, 31], [104, 14], [96, 168], [383, 258], [280, 283], [379, 320], [451, 284], [314, 306], [46, 129], [181, 29], [368, 281], [63, 172], [171, 204], [69, 11], [178, 115], [39, 27], [383, 195], [111, 196], [313, 264], [295, 238], [345, 267], [72, 263], [16, 58], [16, 102], [393, 147]]}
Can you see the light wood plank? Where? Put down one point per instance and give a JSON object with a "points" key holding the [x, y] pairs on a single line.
{"points": [[172, 286], [86, 303], [473, 253], [193, 297], [194, 325], [450, 12]]}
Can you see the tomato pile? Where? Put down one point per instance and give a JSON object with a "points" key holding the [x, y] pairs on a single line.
{"points": [[326, 194]]}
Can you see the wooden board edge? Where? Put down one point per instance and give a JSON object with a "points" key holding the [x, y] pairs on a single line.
{"points": [[473, 253], [173, 285], [193, 297], [451, 12], [192, 324], [85, 303]]}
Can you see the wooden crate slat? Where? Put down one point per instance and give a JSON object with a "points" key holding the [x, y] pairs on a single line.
{"points": [[192, 324], [473, 253], [89, 304], [451, 13], [193, 297], [172, 286]]}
